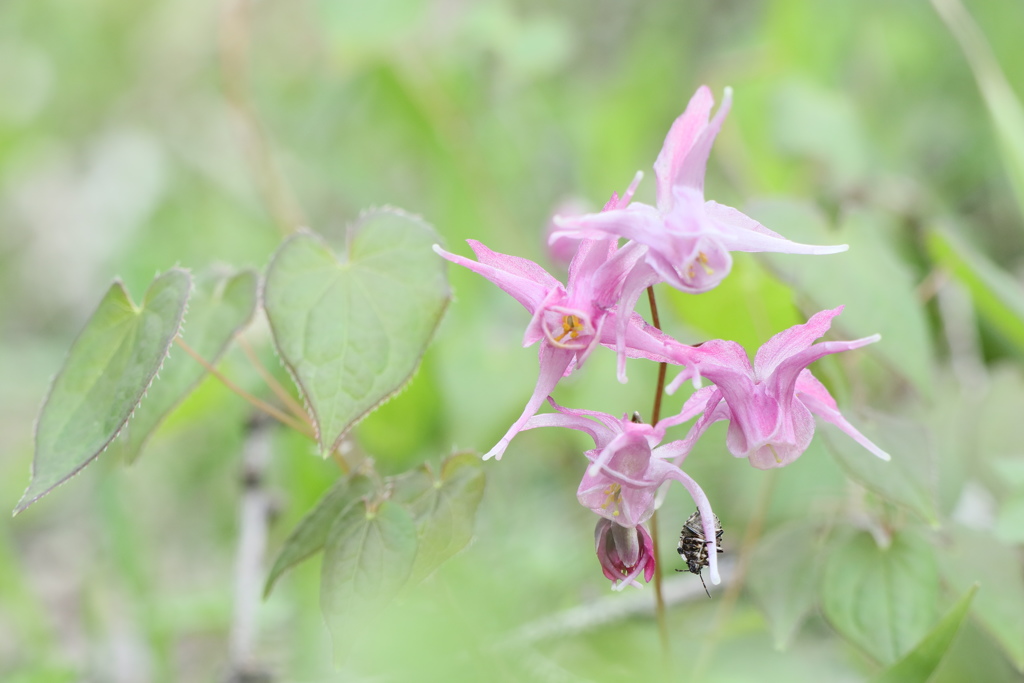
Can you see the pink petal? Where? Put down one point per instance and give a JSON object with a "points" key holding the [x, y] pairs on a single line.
{"points": [[715, 409], [789, 441], [815, 396], [638, 222], [691, 171], [617, 202], [678, 143], [792, 341], [600, 434], [591, 255], [515, 265], [693, 407], [739, 232], [553, 362], [787, 371], [528, 291]]}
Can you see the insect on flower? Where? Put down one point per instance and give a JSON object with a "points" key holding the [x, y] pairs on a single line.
{"points": [[693, 546]]}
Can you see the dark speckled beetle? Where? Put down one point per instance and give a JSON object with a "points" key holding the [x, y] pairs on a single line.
{"points": [[693, 546]]}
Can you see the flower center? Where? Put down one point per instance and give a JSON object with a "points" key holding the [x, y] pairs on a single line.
{"points": [[564, 326], [704, 262], [571, 326]]}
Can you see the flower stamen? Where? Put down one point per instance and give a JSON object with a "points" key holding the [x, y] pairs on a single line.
{"points": [[571, 326], [614, 496], [703, 259]]}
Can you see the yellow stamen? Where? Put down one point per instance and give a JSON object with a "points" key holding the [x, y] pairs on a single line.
{"points": [[614, 492], [703, 258], [571, 326]]}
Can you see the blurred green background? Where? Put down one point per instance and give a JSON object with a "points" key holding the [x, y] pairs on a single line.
{"points": [[127, 146]]}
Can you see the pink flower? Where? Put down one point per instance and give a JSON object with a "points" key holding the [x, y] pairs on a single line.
{"points": [[569, 321], [688, 239], [624, 553], [627, 466], [769, 406]]}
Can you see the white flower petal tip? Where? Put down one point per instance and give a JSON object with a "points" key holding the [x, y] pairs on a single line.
{"points": [[883, 456], [674, 385], [438, 250], [873, 338], [715, 578]]}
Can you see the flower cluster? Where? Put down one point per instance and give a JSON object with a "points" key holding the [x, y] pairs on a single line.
{"points": [[684, 242]]}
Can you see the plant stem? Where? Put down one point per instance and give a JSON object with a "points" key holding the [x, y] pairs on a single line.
{"points": [[659, 599], [270, 410], [234, 58], [293, 406]]}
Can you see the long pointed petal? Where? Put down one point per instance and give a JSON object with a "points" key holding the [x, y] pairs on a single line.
{"points": [[553, 362], [691, 173], [679, 141], [815, 396], [638, 222], [693, 407], [788, 371], [516, 265], [739, 232], [527, 291], [791, 341], [714, 410]]}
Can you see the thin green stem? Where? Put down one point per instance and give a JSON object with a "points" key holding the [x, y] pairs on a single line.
{"points": [[659, 600], [234, 59], [270, 410], [293, 406]]}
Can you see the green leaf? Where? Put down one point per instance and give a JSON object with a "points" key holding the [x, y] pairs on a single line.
{"points": [[367, 559], [906, 479], [310, 534], [105, 375], [443, 508], [921, 662], [881, 599], [1004, 107], [784, 585], [976, 557], [352, 331], [1010, 523], [997, 295], [221, 305], [877, 288]]}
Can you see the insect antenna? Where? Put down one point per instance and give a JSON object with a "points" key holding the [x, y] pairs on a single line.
{"points": [[703, 584]]}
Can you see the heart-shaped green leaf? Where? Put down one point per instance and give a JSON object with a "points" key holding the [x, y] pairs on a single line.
{"points": [[310, 534], [367, 559], [443, 508], [106, 373], [221, 305], [352, 331], [882, 599], [921, 662]]}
